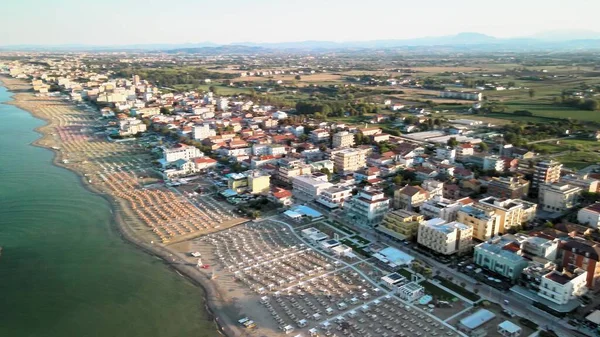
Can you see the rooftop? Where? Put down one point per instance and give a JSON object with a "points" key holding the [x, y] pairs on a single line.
{"points": [[477, 319]]}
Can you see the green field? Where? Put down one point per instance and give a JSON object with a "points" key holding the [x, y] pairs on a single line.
{"points": [[574, 153]]}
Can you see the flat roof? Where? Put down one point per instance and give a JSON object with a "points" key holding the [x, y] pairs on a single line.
{"points": [[594, 317], [412, 286], [307, 211], [509, 326], [479, 318], [558, 277], [396, 256]]}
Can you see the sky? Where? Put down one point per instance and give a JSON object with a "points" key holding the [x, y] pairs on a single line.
{"points": [[119, 22]]}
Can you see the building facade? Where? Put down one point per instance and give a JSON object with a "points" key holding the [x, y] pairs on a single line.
{"points": [[445, 237], [401, 224], [558, 197], [499, 256], [342, 139], [508, 187], [349, 160], [546, 172], [485, 222]]}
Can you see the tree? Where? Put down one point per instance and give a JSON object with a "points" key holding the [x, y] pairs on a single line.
{"points": [[213, 89], [164, 110], [531, 93], [483, 146], [398, 179], [452, 142], [589, 104], [327, 172], [298, 77]]}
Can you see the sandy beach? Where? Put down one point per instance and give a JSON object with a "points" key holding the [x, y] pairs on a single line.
{"points": [[73, 151]]}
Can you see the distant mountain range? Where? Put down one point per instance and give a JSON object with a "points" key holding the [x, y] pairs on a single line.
{"points": [[557, 40]]}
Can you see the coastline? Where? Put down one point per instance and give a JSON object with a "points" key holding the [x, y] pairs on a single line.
{"points": [[213, 301]]}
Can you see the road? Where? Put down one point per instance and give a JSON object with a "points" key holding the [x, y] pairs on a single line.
{"points": [[518, 304]]}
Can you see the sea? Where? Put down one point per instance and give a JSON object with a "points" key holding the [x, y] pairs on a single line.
{"points": [[64, 269]]}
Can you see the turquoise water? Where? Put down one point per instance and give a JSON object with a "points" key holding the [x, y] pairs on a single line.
{"points": [[64, 270]]}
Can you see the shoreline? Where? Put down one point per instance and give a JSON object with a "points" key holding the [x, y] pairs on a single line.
{"points": [[224, 325]]}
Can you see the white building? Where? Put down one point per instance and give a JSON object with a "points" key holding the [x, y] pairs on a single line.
{"points": [[200, 132], [314, 235], [445, 238], [335, 196], [439, 207], [558, 197], [279, 115], [181, 151], [561, 288], [434, 187], [343, 139], [447, 152], [131, 126], [411, 292], [309, 187], [493, 163], [509, 329], [471, 96], [590, 215], [368, 207]]}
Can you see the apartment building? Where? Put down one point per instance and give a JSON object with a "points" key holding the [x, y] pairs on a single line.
{"points": [[349, 160], [401, 224], [319, 136], [581, 254], [508, 187], [410, 197], [309, 187], [290, 168], [484, 220], [590, 215], [558, 197], [259, 182], [545, 172], [563, 287], [434, 187], [201, 132], [237, 182], [181, 151], [446, 153], [444, 237], [510, 212], [335, 196], [368, 207], [343, 139], [500, 255], [440, 207]]}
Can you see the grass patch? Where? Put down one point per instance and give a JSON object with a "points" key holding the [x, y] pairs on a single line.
{"points": [[458, 289], [579, 160], [436, 291], [355, 248], [528, 323], [405, 272], [341, 227], [545, 109]]}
